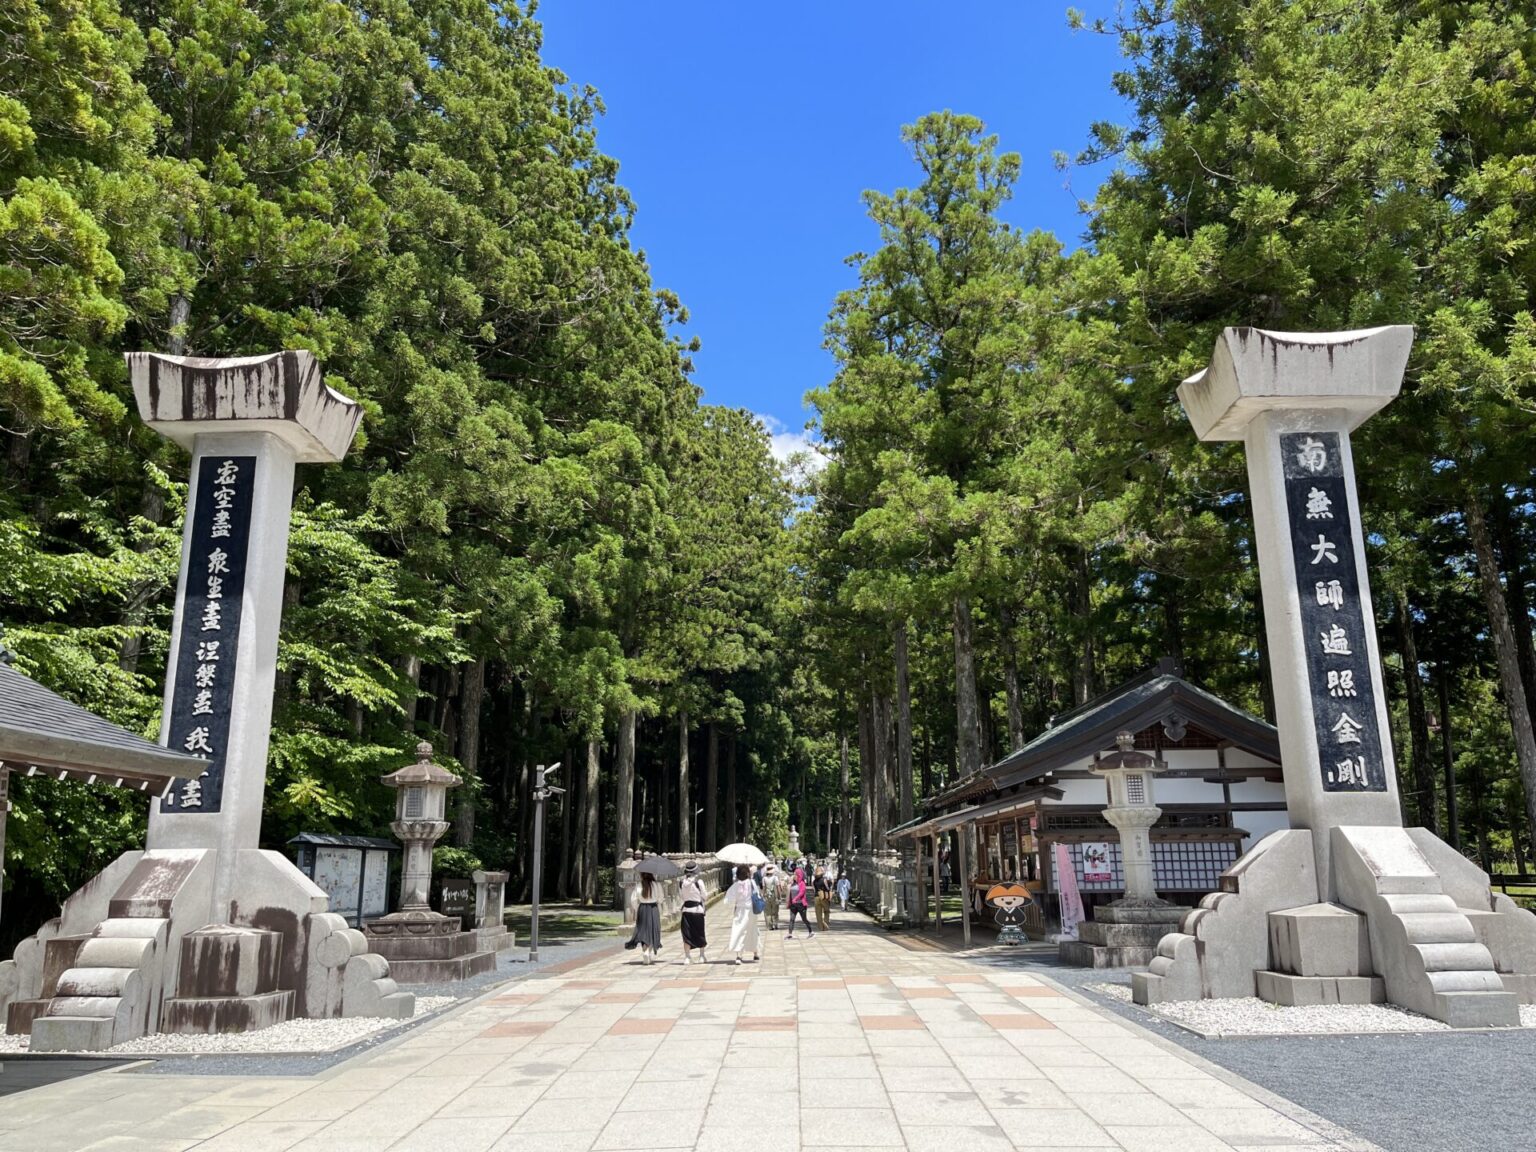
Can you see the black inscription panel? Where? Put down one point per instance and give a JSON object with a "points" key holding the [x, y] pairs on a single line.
{"points": [[1333, 621], [210, 626]]}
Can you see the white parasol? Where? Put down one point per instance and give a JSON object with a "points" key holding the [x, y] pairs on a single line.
{"points": [[741, 854]]}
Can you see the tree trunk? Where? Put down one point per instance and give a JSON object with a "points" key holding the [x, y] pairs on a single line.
{"points": [[624, 797], [903, 724], [684, 796], [1447, 758], [1512, 554], [709, 838], [1513, 687], [731, 815], [1083, 676], [844, 840], [1418, 722], [880, 712], [1011, 683], [471, 697], [967, 717], [866, 774], [590, 797]]}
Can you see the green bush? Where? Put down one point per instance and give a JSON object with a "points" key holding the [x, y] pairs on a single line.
{"points": [[455, 862]]}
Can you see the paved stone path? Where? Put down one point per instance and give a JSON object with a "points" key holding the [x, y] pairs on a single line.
{"points": [[853, 1039]]}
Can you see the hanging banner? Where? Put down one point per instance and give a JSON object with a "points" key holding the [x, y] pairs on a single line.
{"points": [[1070, 899], [1096, 866]]}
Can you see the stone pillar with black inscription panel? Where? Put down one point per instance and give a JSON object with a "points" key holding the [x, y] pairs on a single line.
{"points": [[211, 932], [1347, 905]]}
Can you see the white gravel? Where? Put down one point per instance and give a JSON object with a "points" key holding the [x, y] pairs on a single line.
{"points": [[296, 1036], [1251, 1016]]}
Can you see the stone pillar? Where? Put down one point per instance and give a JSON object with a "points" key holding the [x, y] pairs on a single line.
{"points": [[1134, 826], [247, 421], [1347, 905], [1293, 400]]}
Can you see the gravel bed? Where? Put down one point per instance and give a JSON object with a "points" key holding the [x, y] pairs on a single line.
{"points": [[298, 1036], [1250, 1016], [1420, 1091]]}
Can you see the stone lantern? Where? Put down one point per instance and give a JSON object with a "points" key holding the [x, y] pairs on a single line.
{"points": [[1125, 932], [1132, 811], [421, 804], [423, 946]]}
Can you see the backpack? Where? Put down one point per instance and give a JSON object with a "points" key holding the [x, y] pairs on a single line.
{"points": [[757, 900]]}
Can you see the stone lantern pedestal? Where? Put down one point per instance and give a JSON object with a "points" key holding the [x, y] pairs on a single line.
{"points": [[423, 946], [1125, 932]]}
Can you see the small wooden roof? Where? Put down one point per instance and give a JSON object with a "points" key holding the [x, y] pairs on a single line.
{"points": [[40, 731], [1159, 696]]}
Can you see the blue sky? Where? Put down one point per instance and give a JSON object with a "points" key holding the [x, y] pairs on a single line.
{"points": [[746, 134]]}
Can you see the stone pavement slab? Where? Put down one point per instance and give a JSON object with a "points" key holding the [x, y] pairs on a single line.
{"points": [[850, 1039]]}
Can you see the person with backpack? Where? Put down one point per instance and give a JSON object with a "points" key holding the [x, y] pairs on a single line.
{"points": [[773, 895], [798, 903], [746, 903], [822, 887]]}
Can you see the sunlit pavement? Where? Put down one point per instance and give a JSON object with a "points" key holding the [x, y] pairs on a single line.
{"points": [[855, 1038]]}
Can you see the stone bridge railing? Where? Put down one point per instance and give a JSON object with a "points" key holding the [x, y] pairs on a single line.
{"points": [[885, 884]]}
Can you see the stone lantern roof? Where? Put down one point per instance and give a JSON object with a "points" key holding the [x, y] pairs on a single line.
{"points": [[422, 772]]}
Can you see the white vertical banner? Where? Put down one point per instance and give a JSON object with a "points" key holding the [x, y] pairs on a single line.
{"points": [[1070, 899]]}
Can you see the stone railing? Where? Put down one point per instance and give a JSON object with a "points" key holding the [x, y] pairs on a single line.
{"points": [[885, 884], [712, 873]]}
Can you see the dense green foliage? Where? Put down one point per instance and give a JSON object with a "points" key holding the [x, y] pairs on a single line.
{"points": [[1011, 472], [540, 538], [544, 547]]}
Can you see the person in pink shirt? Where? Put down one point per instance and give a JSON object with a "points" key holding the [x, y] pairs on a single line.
{"points": [[798, 903]]}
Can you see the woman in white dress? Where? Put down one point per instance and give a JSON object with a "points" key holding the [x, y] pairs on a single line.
{"points": [[744, 916]]}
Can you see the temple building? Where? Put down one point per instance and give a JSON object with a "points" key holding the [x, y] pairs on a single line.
{"points": [[1220, 792]]}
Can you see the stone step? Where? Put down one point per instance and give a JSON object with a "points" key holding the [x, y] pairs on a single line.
{"points": [[206, 1015], [107, 982], [436, 970], [104, 1006], [1478, 1009], [1295, 991], [1081, 954], [115, 951], [1438, 928], [71, 1033], [19, 1015]]}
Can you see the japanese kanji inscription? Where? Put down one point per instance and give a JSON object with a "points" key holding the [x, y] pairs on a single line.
{"points": [[210, 630], [1332, 621]]}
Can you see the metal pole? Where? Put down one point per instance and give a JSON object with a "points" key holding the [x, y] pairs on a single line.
{"points": [[541, 792], [538, 861]]}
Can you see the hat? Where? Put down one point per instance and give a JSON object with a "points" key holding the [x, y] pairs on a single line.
{"points": [[691, 867]]}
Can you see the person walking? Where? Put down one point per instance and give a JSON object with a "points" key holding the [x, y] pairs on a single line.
{"points": [[691, 891], [798, 902], [843, 888], [772, 895], [822, 887], [742, 898], [647, 933]]}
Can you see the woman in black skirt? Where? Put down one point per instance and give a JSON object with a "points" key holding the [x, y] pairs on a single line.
{"points": [[692, 893], [647, 933]]}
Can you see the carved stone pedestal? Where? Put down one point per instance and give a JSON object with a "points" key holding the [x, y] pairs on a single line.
{"points": [[427, 947]]}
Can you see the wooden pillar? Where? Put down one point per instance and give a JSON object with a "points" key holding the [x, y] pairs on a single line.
{"points": [[917, 876], [965, 890], [938, 894]]}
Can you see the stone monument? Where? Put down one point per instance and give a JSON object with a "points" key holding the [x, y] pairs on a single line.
{"points": [[491, 929], [420, 944], [1126, 931], [205, 931], [1347, 905]]}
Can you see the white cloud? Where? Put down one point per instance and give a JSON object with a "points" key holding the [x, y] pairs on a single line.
{"points": [[795, 450]]}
